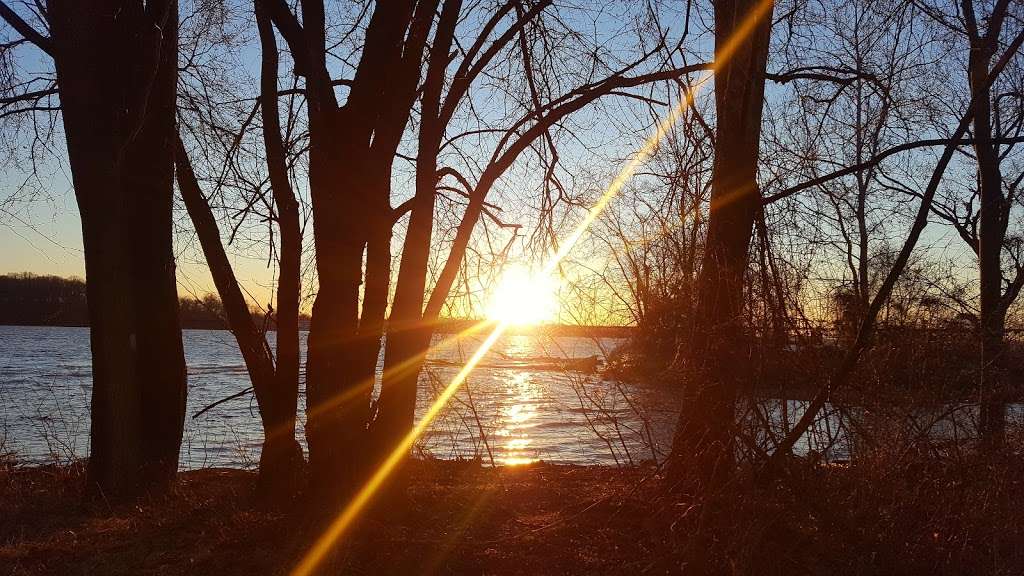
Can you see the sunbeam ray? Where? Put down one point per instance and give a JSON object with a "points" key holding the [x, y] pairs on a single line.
{"points": [[344, 520]]}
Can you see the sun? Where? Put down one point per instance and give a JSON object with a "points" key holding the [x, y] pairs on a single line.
{"points": [[521, 298]]}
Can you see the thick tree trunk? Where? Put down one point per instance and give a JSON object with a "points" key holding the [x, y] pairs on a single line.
{"points": [[702, 450], [117, 71], [149, 163], [336, 156], [350, 169], [336, 405], [991, 231]]}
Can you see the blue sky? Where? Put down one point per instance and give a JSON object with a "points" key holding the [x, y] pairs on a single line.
{"points": [[39, 228]]}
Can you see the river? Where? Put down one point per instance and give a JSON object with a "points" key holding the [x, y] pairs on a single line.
{"points": [[520, 404], [517, 406]]}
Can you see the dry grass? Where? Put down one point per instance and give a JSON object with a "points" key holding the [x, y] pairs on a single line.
{"points": [[887, 513], [920, 515], [460, 519]]}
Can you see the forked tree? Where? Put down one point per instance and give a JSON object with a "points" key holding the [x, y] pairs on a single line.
{"points": [[352, 147]]}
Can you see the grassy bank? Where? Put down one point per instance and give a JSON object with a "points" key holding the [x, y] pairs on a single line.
{"points": [[912, 517], [461, 519]]}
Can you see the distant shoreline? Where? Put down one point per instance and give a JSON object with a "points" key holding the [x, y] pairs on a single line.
{"points": [[30, 300], [449, 327], [454, 326]]}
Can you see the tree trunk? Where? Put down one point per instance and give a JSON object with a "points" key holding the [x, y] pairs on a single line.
{"points": [[281, 458], [991, 231], [117, 71], [409, 333], [336, 405], [351, 150], [336, 154], [702, 449], [279, 466]]}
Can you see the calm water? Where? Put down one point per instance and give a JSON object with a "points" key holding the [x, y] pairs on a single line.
{"points": [[517, 406]]}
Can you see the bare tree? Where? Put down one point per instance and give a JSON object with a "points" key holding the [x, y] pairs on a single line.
{"points": [[843, 371], [985, 228], [275, 379], [352, 147], [116, 68], [704, 437]]}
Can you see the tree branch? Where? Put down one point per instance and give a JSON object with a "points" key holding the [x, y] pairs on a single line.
{"points": [[877, 159], [27, 31]]}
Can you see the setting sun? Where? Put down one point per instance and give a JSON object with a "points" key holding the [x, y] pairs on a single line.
{"points": [[522, 298], [512, 287]]}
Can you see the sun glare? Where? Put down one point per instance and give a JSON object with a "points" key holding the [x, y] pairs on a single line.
{"points": [[522, 298], [517, 298]]}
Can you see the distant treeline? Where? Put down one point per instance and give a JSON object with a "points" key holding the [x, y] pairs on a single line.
{"points": [[31, 300], [452, 326]]}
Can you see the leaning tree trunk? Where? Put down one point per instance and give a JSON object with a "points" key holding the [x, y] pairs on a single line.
{"points": [[116, 71], [276, 388], [702, 450]]}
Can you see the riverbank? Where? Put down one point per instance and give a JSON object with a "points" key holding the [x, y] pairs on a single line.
{"points": [[462, 519], [913, 515]]}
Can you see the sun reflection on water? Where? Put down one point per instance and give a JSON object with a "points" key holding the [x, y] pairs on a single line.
{"points": [[517, 419]]}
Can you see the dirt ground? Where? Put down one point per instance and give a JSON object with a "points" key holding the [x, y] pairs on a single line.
{"points": [[461, 519]]}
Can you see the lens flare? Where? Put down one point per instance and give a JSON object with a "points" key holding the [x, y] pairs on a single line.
{"points": [[344, 520]]}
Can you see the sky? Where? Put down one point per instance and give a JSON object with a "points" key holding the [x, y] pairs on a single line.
{"points": [[43, 239], [40, 231]]}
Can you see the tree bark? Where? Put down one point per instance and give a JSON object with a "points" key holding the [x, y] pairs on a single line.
{"points": [[702, 449], [991, 233], [116, 67], [347, 160]]}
